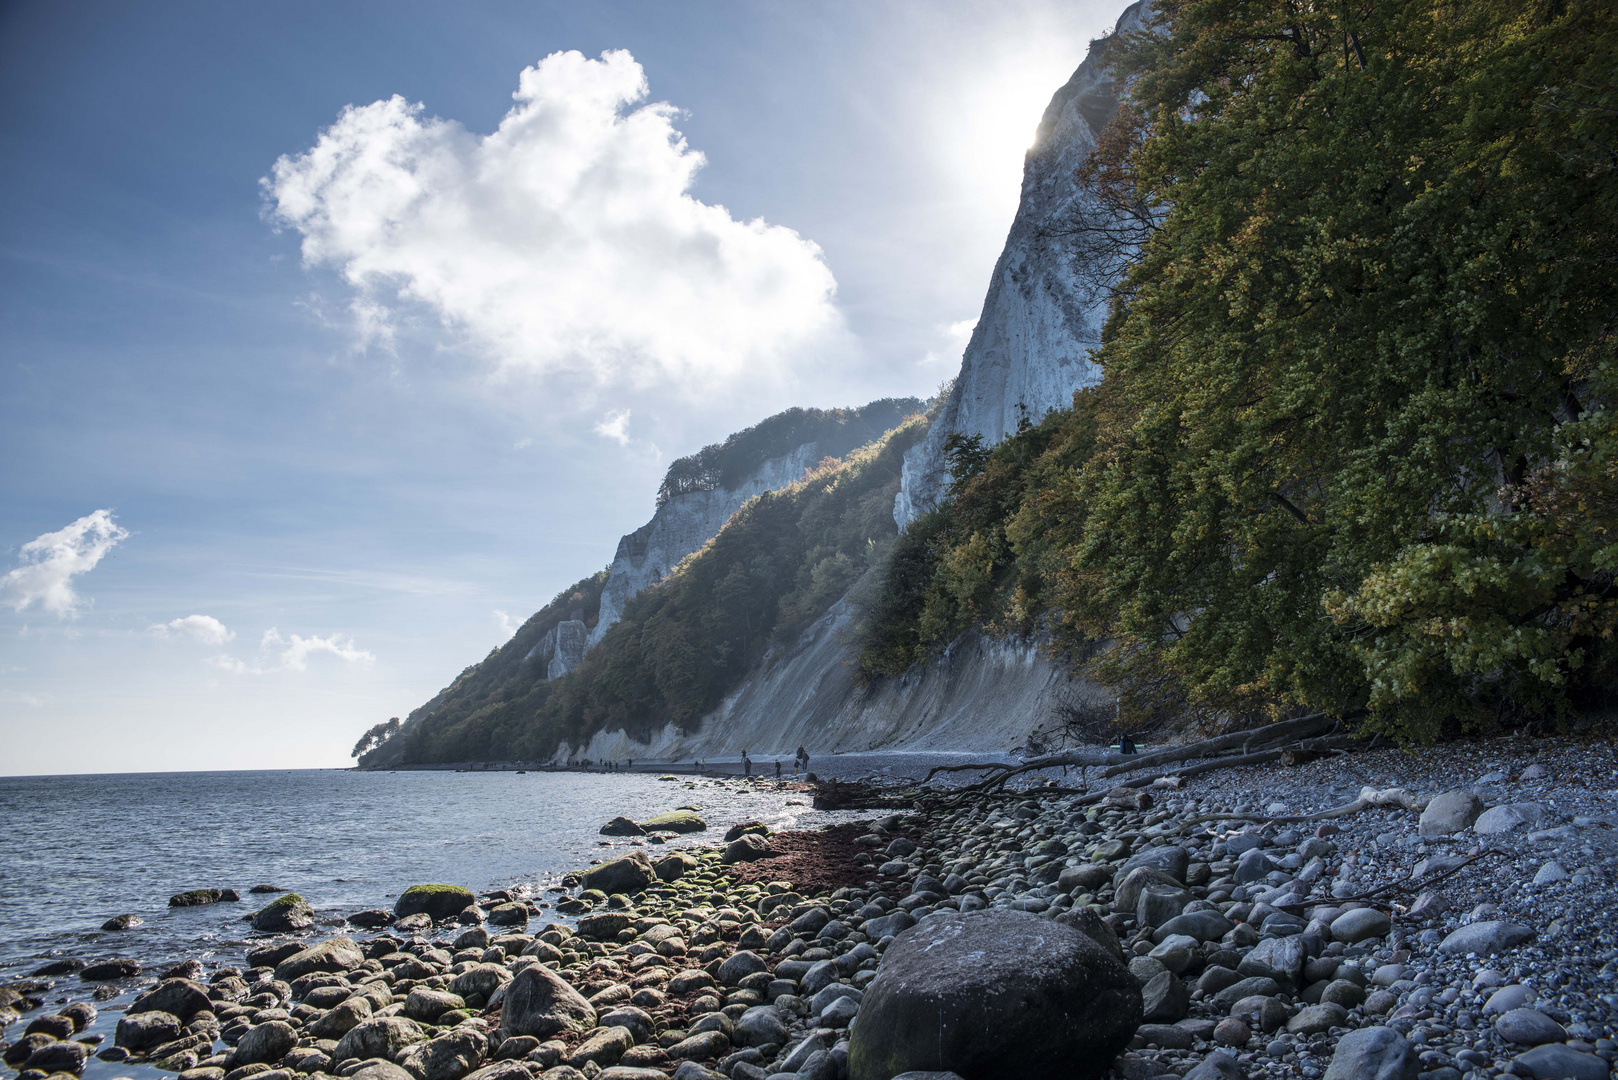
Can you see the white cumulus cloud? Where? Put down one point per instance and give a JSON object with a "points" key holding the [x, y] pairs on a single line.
{"points": [[565, 242], [506, 623], [49, 563], [203, 628]]}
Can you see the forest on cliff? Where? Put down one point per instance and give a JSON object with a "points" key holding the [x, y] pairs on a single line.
{"points": [[1354, 447]]}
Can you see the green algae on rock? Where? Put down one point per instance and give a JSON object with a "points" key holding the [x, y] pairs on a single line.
{"points": [[676, 821]]}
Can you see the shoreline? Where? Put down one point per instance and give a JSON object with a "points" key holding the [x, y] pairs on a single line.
{"points": [[952, 855]]}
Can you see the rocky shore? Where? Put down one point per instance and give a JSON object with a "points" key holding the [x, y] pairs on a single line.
{"points": [[1379, 915]]}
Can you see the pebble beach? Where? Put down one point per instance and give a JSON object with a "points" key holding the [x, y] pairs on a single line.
{"points": [[1459, 922]]}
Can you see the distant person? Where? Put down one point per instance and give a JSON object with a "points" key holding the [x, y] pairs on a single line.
{"points": [[747, 764], [778, 768]]}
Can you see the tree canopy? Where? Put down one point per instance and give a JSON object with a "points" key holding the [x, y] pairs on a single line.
{"points": [[1352, 449]]}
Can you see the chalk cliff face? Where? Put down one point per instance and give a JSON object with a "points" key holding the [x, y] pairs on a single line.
{"points": [[982, 695], [1043, 312], [682, 525], [568, 648]]}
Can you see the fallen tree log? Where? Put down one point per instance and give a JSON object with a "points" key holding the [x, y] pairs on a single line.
{"points": [[1338, 743], [1303, 727]]}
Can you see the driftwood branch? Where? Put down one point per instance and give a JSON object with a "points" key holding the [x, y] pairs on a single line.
{"points": [[1394, 889]]}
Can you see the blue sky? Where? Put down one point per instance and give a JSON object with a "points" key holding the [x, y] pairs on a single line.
{"points": [[361, 385]]}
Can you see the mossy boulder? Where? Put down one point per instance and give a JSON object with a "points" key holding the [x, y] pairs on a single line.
{"points": [[286, 912], [675, 821], [437, 902], [199, 897]]}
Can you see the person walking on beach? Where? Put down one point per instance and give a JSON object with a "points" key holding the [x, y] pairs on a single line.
{"points": [[778, 768], [747, 764]]}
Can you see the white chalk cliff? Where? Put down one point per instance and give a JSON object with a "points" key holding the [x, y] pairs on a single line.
{"points": [[682, 525], [1042, 314]]}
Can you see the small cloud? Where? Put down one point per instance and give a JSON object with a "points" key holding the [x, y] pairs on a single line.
{"points": [[296, 650], [615, 425], [203, 628], [523, 443], [49, 563], [292, 652], [961, 331], [33, 701], [373, 324], [507, 624]]}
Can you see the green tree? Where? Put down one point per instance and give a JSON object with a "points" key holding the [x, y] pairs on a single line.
{"points": [[1376, 289]]}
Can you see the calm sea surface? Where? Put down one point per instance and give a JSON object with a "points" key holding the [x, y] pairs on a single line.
{"points": [[78, 850]]}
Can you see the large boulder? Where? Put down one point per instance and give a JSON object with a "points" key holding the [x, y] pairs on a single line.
{"points": [[383, 1037], [1360, 924], [336, 954], [199, 897], [1449, 813], [180, 997], [747, 848], [450, 1056], [509, 914], [271, 955], [1374, 1053], [482, 979], [287, 912], [1126, 893], [437, 902], [265, 1043], [1168, 859], [991, 995], [638, 1022], [1549, 1062], [139, 1032], [1281, 959], [1484, 938], [630, 874], [341, 1018], [1202, 925], [540, 1003], [427, 1005], [622, 826], [676, 821], [121, 967], [675, 865], [381, 1070], [58, 1057], [603, 925], [1503, 819]]}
